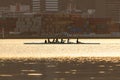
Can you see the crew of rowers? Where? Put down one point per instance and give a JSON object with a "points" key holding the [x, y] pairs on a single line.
{"points": [[56, 40]]}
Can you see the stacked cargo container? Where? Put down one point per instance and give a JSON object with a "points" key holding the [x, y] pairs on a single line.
{"points": [[92, 25], [74, 24], [58, 24], [9, 24], [55, 23], [114, 29], [28, 24], [100, 25]]}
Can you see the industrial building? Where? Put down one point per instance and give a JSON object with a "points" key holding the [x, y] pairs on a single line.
{"points": [[58, 17], [90, 8], [108, 9], [113, 9], [3, 10], [51, 5], [36, 6], [87, 8], [43, 6], [19, 8]]}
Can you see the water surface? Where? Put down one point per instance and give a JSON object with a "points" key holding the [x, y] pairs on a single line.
{"points": [[59, 62], [16, 48], [60, 69]]}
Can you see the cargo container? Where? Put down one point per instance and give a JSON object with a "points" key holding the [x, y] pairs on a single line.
{"points": [[9, 24]]}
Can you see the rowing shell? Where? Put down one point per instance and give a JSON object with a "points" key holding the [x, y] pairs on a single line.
{"points": [[61, 43]]}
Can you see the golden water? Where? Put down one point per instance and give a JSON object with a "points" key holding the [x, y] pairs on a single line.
{"points": [[12, 48]]}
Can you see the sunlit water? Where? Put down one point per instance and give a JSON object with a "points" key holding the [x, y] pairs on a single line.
{"points": [[60, 69], [16, 48], [60, 62]]}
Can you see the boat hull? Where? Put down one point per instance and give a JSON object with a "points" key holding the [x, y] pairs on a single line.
{"points": [[61, 43]]}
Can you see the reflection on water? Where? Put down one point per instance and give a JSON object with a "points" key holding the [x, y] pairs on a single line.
{"points": [[60, 69], [30, 63], [59, 79], [101, 72], [5, 75], [101, 66], [34, 74], [118, 65], [28, 70], [51, 66], [67, 72], [110, 69], [92, 77], [57, 72]]}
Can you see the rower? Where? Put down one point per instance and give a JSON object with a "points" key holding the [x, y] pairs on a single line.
{"points": [[77, 41], [45, 41], [48, 40], [57, 40], [68, 40], [62, 40]]}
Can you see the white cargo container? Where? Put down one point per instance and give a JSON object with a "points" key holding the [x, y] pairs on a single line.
{"points": [[28, 24]]}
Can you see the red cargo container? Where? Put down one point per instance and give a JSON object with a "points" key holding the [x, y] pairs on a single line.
{"points": [[8, 23], [114, 28]]}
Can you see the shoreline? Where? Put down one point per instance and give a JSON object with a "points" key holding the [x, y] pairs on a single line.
{"points": [[61, 37]]}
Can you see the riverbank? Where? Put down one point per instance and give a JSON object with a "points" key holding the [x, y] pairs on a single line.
{"points": [[98, 36]]}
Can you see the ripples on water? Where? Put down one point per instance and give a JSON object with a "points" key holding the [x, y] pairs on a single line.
{"points": [[60, 69]]}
